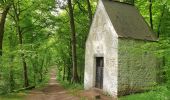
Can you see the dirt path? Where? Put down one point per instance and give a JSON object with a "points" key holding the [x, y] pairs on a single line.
{"points": [[51, 92]]}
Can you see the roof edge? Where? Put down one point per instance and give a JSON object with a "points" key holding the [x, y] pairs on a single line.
{"points": [[138, 39], [119, 2]]}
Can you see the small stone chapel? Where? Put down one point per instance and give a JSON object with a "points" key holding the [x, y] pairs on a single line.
{"points": [[114, 59]]}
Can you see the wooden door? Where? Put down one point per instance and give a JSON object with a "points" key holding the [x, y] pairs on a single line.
{"points": [[99, 72]]}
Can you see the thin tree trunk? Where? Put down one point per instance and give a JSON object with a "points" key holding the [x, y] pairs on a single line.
{"points": [[69, 74], [89, 12], [26, 83], [41, 70], [150, 13], [33, 62], [16, 11], [74, 57], [33, 65], [11, 76], [64, 71], [11, 59], [90, 15], [133, 2], [160, 21], [2, 26]]}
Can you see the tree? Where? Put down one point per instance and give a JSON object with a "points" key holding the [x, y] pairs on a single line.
{"points": [[2, 23], [150, 13], [133, 2], [28, 30], [11, 59], [17, 13], [73, 39], [89, 12], [160, 21]]}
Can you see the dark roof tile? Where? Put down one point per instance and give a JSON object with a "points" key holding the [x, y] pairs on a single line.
{"points": [[128, 22]]}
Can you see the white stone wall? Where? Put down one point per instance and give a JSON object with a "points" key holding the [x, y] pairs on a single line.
{"points": [[102, 42], [137, 66]]}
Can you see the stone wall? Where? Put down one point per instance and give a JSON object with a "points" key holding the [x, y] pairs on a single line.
{"points": [[102, 42], [127, 66], [137, 66]]}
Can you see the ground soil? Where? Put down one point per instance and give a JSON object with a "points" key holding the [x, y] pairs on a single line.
{"points": [[54, 91], [96, 94]]}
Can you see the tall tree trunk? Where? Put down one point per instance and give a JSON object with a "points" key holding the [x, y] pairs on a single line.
{"points": [[89, 12], [64, 72], [18, 29], [90, 16], [74, 57], [160, 21], [69, 70], [11, 76], [26, 83], [11, 59], [150, 13], [2, 26], [41, 70], [133, 2]]}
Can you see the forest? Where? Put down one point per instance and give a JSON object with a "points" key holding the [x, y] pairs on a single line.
{"points": [[38, 35]]}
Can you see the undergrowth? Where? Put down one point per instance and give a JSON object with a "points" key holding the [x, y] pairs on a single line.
{"points": [[161, 93]]}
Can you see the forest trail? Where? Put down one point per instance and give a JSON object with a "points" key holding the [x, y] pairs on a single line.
{"points": [[53, 91]]}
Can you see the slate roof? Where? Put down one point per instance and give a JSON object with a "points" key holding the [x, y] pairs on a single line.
{"points": [[127, 21]]}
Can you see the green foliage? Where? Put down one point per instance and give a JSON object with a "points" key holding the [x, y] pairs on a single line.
{"points": [[161, 93], [19, 96], [47, 41], [161, 22], [63, 40], [74, 89], [35, 47]]}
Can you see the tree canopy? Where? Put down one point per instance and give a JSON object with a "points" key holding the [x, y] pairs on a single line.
{"points": [[37, 34]]}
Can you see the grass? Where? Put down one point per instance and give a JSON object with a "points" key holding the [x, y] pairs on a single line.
{"points": [[21, 94], [162, 93], [13, 96], [74, 89]]}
